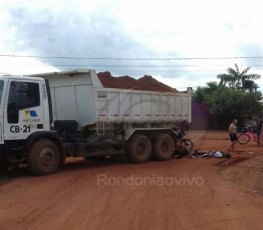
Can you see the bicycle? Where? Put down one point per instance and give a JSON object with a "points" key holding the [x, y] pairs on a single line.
{"points": [[244, 138]]}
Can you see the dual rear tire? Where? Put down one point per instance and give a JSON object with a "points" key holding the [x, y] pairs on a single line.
{"points": [[163, 147], [140, 148]]}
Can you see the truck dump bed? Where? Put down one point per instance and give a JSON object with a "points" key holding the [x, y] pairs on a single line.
{"points": [[79, 95]]}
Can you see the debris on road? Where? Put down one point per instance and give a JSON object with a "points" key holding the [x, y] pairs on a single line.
{"points": [[206, 154]]}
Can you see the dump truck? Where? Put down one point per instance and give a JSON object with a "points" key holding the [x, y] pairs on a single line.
{"points": [[45, 118]]}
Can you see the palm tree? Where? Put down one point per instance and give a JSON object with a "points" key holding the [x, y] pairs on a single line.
{"points": [[249, 85], [226, 79], [238, 79]]}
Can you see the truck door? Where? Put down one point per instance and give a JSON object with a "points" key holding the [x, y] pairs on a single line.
{"points": [[23, 109]]}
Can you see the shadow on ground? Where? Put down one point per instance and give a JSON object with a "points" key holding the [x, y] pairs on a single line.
{"points": [[9, 173]]}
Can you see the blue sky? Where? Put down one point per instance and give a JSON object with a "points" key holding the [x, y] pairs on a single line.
{"points": [[133, 29]]}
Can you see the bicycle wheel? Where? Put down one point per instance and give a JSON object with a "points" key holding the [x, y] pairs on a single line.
{"points": [[243, 139]]}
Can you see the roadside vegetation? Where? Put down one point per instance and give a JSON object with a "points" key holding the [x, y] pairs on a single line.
{"points": [[235, 96]]}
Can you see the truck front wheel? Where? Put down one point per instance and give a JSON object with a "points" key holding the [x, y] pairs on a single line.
{"points": [[139, 149], [44, 157], [163, 146]]}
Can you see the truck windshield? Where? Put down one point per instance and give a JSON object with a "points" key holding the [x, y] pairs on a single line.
{"points": [[1, 89]]}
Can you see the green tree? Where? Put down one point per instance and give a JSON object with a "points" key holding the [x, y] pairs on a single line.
{"points": [[201, 93], [227, 103], [239, 79], [236, 96]]}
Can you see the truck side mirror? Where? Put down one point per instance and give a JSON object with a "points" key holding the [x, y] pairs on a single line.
{"points": [[21, 95]]}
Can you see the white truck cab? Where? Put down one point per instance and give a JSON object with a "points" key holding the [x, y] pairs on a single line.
{"points": [[24, 107]]}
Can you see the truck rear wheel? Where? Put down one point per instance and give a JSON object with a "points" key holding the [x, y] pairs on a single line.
{"points": [[163, 146], [44, 157], [139, 149]]}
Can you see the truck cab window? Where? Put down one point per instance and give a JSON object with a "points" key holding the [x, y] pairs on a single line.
{"points": [[33, 98], [28, 95]]}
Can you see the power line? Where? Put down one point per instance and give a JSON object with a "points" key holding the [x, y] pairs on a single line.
{"points": [[111, 68], [120, 66], [131, 59], [160, 71], [117, 66], [129, 66], [126, 66]]}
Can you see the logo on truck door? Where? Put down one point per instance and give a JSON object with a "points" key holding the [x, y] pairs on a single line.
{"points": [[30, 116]]}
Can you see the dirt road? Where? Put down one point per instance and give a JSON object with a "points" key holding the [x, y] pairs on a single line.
{"points": [[198, 194]]}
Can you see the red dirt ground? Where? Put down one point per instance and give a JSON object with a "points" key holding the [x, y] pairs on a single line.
{"points": [[230, 198]]}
